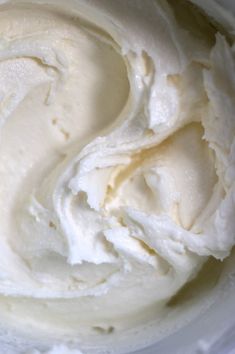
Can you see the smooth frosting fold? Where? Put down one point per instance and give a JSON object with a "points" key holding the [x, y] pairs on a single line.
{"points": [[117, 159]]}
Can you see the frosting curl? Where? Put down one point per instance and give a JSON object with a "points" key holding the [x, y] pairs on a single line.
{"points": [[117, 159]]}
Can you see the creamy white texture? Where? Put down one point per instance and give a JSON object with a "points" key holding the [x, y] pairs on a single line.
{"points": [[117, 161]]}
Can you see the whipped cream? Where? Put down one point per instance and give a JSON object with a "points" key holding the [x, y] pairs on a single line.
{"points": [[117, 161]]}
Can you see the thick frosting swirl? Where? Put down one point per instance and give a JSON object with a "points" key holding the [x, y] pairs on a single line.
{"points": [[117, 159]]}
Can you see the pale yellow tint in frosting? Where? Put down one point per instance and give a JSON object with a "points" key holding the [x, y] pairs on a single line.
{"points": [[117, 161]]}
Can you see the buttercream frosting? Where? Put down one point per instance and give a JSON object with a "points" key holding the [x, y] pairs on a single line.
{"points": [[117, 159]]}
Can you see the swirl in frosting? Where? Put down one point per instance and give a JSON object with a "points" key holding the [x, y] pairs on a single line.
{"points": [[117, 160]]}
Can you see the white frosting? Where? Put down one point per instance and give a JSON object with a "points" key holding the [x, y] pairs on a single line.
{"points": [[117, 161]]}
